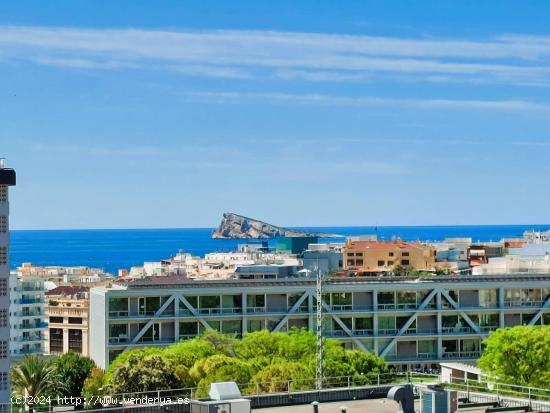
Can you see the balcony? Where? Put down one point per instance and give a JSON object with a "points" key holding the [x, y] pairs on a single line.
{"points": [[343, 334], [24, 351], [219, 311], [26, 339], [30, 301], [350, 308], [397, 307], [30, 288], [462, 355], [28, 313], [523, 303], [457, 330], [413, 357], [31, 326]]}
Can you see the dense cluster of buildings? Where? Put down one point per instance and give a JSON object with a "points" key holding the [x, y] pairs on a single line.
{"points": [[416, 304]]}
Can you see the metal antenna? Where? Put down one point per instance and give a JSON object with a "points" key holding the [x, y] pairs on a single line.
{"points": [[320, 336]]}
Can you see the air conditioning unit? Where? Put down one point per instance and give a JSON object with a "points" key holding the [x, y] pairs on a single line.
{"points": [[225, 397], [435, 399]]}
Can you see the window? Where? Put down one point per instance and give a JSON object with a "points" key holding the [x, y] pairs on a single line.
{"points": [[56, 340], [3, 349], [3, 381], [405, 253], [390, 263], [3, 224], [75, 340], [3, 318], [209, 301], [75, 320], [3, 256], [58, 320], [381, 263], [405, 262], [391, 254], [358, 263], [351, 263], [3, 193], [189, 329], [3, 287]]}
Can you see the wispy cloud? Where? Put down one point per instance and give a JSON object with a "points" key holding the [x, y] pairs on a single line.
{"points": [[306, 56], [334, 100]]}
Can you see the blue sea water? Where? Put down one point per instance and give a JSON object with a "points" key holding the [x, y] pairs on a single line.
{"points": [[112, 249]]}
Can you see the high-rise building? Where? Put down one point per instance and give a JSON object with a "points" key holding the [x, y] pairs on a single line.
{"points": [[7, 179]]}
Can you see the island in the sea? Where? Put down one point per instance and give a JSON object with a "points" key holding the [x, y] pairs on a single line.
{"points": [[234, 226]]}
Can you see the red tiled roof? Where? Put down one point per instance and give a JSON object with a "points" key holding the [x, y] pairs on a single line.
{"points": [[67, 290]]}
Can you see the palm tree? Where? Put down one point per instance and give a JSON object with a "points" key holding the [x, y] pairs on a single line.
{"points": [[33, 378]]}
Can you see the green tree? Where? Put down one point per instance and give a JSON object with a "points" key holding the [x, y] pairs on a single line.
{"points": [[73, 369], [518, 355], [94, 388], [122, 358], [219, 367], [142, 372], [278, 376], [35, 377]]}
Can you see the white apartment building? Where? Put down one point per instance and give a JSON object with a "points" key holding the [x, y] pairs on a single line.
{"points": [[529, 259], [27, 315], [7, 179]]}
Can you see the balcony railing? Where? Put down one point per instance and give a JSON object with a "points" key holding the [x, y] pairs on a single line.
{"points": [[355, 333], [28, 313], [29, 351], [456, 330], [30, 301], [350, 307], [412, 357], [395, 306], [462, 355], [523, 303], [30, 326], [38, 337]]}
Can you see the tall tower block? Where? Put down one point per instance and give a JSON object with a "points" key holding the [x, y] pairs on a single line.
{"points": [[7, 179]]}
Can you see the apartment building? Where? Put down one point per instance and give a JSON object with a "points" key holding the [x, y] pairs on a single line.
{"points": [[67, 314], [7, 179], [376, 257], [27, 316], [412, 323]]}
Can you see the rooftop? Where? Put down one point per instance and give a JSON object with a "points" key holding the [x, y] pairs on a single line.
{"points": [[183, 282], [382, 245]]}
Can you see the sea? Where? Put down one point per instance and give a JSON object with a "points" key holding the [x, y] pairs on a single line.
{"points": [[113, 249]]}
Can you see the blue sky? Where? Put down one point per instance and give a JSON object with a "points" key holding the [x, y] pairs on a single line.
{"points": [[166, 114]]}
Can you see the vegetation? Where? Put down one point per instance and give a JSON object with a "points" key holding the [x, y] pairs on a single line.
{"points": [[35, 378], [93, 387], [518, 355], [268, 361], [73, 369]]}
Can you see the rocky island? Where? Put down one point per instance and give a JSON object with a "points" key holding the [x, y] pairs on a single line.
{"points": [[234, 226]]}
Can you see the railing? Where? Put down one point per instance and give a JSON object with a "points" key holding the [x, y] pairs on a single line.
{"points": [[252, 310], [30, 301], [30, 326], [462, 355], [412, 357], [507, 395], [29, 314], [523, 303], [350, 307], [355, 333], [30, 338], [456, 330], [396, 306]]}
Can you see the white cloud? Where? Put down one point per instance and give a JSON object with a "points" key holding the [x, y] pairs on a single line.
{"points": [[308, 56], [320, 99]]}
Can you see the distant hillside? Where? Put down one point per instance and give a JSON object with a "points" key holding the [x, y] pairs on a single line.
{"points": [[236, 226]]}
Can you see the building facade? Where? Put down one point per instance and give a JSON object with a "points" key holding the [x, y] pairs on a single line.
{"points": [[67, 315], [412, 323], [374, 257], [7, 179], [27, 316]]}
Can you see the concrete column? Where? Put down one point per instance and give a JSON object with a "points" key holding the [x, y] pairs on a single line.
{"points": [[375, 321], [244, 306], [500, 292], [438, 326], [65, 340], [85, 344], [311, 313]]}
